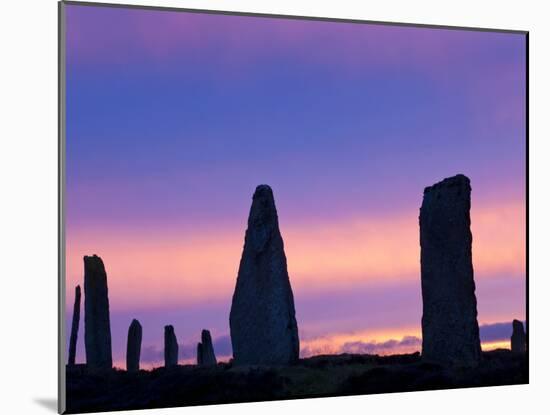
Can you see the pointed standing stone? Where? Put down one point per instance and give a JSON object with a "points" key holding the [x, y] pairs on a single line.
{"points": [[170, 347], [97, 328], [205, 350], [74, 326], [450, 332], [133, 347], [262, 319], [519, 339]]}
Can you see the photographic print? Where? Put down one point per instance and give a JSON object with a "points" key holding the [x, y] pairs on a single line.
{"points": [[261, 208]]}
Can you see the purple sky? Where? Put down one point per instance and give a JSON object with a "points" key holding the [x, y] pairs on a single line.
{"points": [[174, 118]]}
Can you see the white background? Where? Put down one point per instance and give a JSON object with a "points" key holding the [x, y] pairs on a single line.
{"points": [[28, 203]]}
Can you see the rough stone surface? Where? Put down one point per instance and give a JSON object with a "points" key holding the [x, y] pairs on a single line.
{"points": [[133, 348], [450, 332], [262, 319], [97, 327], [170, 347], [199, 354], [74, 326], [205, 350], [519, 339]]}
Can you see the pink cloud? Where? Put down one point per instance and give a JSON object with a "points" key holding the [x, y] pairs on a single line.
{"points": [[185, 266]]}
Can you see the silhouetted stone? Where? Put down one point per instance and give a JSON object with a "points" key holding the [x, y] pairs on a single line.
{"points": [[450, 332], [170, 347], [262, 319], [74, 326], [205, 350], [519, 339], [199, 354], [133, 348], [97, 328]]}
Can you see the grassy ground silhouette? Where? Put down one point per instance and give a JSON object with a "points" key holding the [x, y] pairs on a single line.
{"points": [[319, 376]]}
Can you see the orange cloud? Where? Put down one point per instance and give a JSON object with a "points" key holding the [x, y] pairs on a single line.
{"points": [[174, 266], [388, 248], [382, 342], [493, 345], [335, 343]]}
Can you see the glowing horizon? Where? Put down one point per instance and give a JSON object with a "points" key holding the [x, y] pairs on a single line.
{"points": [[362, 250], [380, 343]]}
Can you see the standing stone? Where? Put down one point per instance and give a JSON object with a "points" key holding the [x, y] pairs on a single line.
{"points": [[97, 328], [74, 327], [262, 319], [519, 339], [199, 354], [450, 332], [133, 347], [205, 350], [170, 347]]}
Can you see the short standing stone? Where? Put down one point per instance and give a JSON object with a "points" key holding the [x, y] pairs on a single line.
{"points": [[133, 349], [262, 319], [74, 326], [170, 347], [97, 327], [450, 332], [205, 350], [519, 339]]}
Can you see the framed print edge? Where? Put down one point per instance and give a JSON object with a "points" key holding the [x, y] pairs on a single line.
{"points": [[61, 404]]}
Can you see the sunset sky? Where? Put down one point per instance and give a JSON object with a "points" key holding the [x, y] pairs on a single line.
{"points": [[174, 118]]}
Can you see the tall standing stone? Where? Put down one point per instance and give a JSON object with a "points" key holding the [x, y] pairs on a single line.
{"points": [[97, 328], [199, 354], [262, 319], [170, 347], [450, 332], [133, 347], [205, 350], [74, 326], [519, 339]]}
